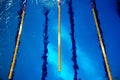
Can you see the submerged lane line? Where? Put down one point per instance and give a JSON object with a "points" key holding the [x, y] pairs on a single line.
{"points": [[16, 48], [102, 45], [59, 38]]}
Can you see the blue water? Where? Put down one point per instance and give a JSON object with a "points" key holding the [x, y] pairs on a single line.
{"points": [[29, 63]]}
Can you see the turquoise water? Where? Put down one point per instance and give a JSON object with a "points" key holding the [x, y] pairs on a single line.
{"points": [[89, 57]]}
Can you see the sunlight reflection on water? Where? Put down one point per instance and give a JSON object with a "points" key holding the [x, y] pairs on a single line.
{"points": [[51, 3]]}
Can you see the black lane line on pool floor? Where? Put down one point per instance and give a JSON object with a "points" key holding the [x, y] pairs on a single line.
{"points": [[45, 41], [74, 57], [97, 17], [118, 7]]}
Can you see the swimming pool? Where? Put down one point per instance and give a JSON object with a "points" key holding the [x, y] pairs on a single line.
{"points": [[29, 61]]}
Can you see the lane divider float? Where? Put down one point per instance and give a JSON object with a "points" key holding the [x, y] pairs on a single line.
{"points": [[59, 36], [17, 43], [101, 42]]}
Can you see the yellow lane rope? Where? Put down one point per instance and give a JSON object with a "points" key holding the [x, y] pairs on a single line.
{"points": [[59, 39], [16, 48], [102, 46]]}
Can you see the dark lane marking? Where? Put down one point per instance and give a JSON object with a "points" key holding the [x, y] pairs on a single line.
{"points": [[45, 41], [74, 57]]}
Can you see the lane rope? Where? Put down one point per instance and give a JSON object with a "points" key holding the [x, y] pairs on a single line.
{"points": [[101, 43], [59, 37], [17, 44]]}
